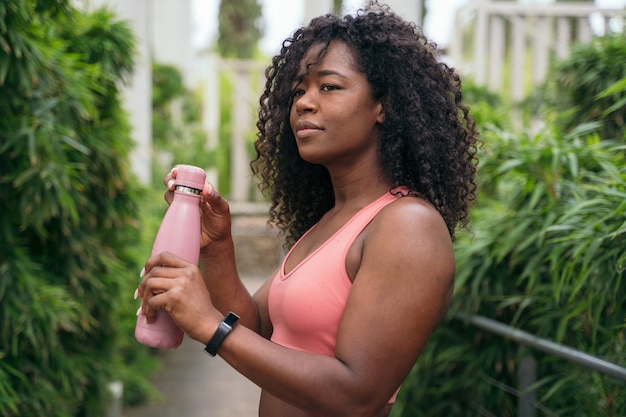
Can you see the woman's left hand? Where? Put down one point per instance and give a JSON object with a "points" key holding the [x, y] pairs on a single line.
{"points": [[175, 285]]}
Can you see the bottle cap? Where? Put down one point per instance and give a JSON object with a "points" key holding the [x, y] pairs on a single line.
{"points": [[190, 176]]}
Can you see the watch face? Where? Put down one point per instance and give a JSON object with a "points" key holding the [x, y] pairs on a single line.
{"points": [[231, 319]]}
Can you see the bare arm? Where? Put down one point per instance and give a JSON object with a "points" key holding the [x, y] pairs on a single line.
{"points": [[228, 293], [401, 291], [400, 294]]}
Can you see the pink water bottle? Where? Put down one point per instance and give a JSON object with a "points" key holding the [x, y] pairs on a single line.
{"points": [[179, 234]]}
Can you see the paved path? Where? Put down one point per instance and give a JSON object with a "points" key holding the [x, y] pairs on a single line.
{"points": [[193, 384]]}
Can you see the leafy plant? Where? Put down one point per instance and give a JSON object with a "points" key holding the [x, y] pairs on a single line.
{"points": [[240, 28], [177, 133], [70, 222], [488, 108], [547, 255], [586, 88]]}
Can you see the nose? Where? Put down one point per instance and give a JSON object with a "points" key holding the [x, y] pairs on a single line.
{"points": [[305, 102]]}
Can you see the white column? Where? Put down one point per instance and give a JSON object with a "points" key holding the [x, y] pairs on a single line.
{"points": [[562, 37], [518, 39], [496, 53], [171, 37], [542, 38], [239, 169], [210, 105], [456, 45], [138, 93], [480, 44], [584, 31], [409, 9]]}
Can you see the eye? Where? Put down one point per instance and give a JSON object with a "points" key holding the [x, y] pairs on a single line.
{"points": [[297, 92], [329, 87]]}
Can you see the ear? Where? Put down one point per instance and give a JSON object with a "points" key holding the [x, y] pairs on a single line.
{"points": [[380, 119]]}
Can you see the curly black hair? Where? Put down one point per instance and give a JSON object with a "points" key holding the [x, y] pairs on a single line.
{"points": [[428, 138]]}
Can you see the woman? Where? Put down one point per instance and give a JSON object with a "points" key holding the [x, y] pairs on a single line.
{"points": [[369, 157]]}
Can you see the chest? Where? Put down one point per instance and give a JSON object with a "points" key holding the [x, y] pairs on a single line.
{"points": [[326, 233], [307, 299]]}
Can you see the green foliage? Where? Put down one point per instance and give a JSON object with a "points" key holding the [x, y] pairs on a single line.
{"points": [[547, 255], [240, 28], [167, 85], [179, 137], [177, 133], [231, 94], [579, 90], [488, 108], [337, 7], [547, 252], [223, 152], [69, 210], [236, 89]]}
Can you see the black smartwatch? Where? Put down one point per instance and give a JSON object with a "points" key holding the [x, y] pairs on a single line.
{"points": [[225, 327]]}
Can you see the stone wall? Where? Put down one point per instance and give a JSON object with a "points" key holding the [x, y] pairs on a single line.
{"points": [[258, 249]]}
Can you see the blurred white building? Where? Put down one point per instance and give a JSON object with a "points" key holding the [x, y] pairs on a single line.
{"points": [[484, 35], [163, 33], [409, 9]]}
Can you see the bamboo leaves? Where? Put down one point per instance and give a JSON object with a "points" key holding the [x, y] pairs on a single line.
{"points": [[69, 208], [547, 254]]}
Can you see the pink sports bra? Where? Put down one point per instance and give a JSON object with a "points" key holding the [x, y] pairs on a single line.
{"points": [[306, 305]]}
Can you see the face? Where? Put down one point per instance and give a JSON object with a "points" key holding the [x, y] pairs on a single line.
{"points": [[333, 116]]}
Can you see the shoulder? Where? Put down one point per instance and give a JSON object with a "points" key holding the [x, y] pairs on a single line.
{"points": [[407, 259], [411, 213], [411, 230]]}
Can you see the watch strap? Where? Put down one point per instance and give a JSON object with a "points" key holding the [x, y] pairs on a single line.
{"points": [[223, 330]]}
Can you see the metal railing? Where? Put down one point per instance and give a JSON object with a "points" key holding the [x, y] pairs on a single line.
{"points": [[527, 403]]}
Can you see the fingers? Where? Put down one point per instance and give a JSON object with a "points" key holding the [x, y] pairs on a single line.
{"points": [[156, 292], [210, 194], [167, 259], [159, 293], [175, 286], [158, 277], [149, 290], [214, 199], [169, 178], [162, 265]]}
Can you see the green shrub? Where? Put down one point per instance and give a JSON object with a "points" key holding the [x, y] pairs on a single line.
{"points": [[488, 108], [546, 253], [547, 256], [69, 212], [579, 88], [177, 133]]}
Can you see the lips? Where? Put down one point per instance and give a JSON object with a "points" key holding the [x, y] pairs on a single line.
{"points": [[305, 129]]}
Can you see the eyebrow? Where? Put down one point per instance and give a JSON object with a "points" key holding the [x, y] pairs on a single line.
{"points": [[322, 73], [331, 72]]}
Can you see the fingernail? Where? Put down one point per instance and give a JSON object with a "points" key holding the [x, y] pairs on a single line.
{"points": [[170, 184], [138, 311], [136, 294], [142, 273]]}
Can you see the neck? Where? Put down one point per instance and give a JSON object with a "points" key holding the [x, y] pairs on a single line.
{"points": [[356, 189]]}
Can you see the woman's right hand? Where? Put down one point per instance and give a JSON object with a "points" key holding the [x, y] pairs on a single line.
{"points": [[215, 212]]}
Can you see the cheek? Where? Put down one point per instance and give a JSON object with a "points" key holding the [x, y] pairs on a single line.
{"points": [[292, 118], [362, 118]]}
